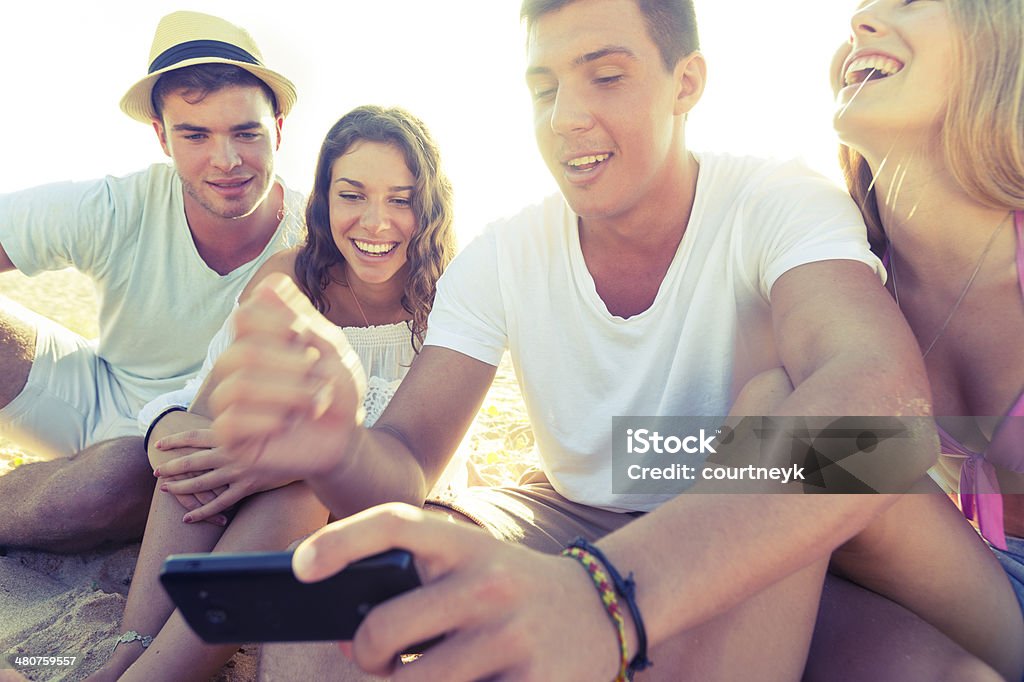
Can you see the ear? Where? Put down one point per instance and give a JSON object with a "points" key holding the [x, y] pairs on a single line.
{"points": [[161, 135], [278, 125], [690, 75]]}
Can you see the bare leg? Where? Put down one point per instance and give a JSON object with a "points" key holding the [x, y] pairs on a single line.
{"points": [[923, 555], [148, 606], [863, 636], [66, 505], [17, 350], [308, 661], [269, 521], [99, 496], [764, 638], [948, 594]]}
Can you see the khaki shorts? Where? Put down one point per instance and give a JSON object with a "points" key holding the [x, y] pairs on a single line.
{"points": [[70, 401], [533, 514]]}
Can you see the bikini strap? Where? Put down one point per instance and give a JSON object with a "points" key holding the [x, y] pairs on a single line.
{"points": [[1018, 219]]}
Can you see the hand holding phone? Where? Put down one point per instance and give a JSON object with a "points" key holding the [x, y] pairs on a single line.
{"points": [[255, 597]]}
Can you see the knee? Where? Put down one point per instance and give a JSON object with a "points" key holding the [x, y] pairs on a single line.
{"points": [[763, 393], [967, 668], [17, 352], [108, 481]]}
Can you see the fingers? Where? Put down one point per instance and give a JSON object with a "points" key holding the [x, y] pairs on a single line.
{"points": [[264, 385], [192, 503], [189, 502], [265, 372], [204, 460], [288, 365], [212, 510], [437, 544], [196, 438], [463, 656], [454, 604], [193, 485], [275, 306]]}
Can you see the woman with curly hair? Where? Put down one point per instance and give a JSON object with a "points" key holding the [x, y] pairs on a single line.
{"points": [[379, 234]]}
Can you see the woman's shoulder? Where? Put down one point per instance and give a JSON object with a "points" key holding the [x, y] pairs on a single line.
{"points": [[282, 262]]}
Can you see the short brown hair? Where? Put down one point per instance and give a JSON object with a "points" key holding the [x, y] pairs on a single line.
{"points": [[197, 81], [672, 24]]}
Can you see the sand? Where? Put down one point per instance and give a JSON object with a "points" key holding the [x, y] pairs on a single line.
{"points": [[71, 605], [61, 605]]}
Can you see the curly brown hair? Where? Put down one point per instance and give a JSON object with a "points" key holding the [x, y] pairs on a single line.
{"points": [[432, 245]]}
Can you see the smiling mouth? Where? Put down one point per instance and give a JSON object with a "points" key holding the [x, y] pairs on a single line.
{"points": [[235, 184], [587, 163], [374, 249], [873, 67]]}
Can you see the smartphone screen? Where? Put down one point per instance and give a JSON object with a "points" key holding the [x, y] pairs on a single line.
{"points": [[255, 597]]}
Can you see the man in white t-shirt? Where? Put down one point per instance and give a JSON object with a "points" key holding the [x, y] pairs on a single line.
{"points": [[660, 282], [168, 249]]}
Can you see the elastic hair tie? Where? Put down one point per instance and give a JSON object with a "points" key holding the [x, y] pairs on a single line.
{"points": [[152, 424], [625, 588]]}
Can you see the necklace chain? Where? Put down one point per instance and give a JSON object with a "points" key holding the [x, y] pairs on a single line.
{"points": [[963, 293], [360, 307]]}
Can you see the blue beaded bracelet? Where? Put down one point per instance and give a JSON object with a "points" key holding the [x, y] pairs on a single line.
{"points": [[625, 588]]}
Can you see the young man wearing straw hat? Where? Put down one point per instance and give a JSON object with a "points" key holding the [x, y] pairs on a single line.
{"points": [[169, 249]]}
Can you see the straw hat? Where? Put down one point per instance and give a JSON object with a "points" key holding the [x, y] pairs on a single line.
{"points": [[188, 38]]}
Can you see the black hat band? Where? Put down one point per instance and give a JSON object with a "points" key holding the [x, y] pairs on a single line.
{"points": [[196, 49]]}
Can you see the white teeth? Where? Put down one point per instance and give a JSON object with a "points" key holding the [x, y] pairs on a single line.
{"points": [[883, 65], [588, 160], [374, 249]]}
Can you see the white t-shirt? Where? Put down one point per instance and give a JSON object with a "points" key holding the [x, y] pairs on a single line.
{"points": [[523, 285], [160, 303]]}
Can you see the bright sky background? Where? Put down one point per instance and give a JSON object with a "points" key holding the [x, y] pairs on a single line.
{"points": [[457, 64]]}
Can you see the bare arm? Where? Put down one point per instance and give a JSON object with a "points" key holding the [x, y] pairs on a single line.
{"points": [[848, 352], [177, 422], [288, 401], [404, 454]]}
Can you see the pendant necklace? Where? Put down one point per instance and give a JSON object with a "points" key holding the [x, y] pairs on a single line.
{"points": [[963, 293]]}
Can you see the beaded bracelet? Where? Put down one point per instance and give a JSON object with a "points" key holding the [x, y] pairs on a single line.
{"points": [[611, 603], [625, 588]]}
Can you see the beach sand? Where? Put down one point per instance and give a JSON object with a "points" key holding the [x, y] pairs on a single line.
{"points": [[70, 605]]}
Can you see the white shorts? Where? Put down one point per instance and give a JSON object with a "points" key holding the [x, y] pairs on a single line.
{"points": [[70, 401]]}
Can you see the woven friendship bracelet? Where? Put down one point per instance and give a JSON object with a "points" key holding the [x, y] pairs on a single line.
{"points": [[606, 590], [625, 588]]}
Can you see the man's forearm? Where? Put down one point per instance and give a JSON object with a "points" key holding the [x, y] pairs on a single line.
{"points": [[700, 555], [377, 467], [724, 548]]}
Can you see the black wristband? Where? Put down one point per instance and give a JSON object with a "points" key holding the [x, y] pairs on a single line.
{"points": [[152, 424], [625, 588]]}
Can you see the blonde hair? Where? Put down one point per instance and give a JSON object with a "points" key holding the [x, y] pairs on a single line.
{"points": [[983, 128]]}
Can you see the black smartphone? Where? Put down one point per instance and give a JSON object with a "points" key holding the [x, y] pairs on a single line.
{"points": [[255, 597]]}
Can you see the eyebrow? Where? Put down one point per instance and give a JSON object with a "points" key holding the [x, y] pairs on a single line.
{"points": [[393, 188], [188, 127], [606, 51]]}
